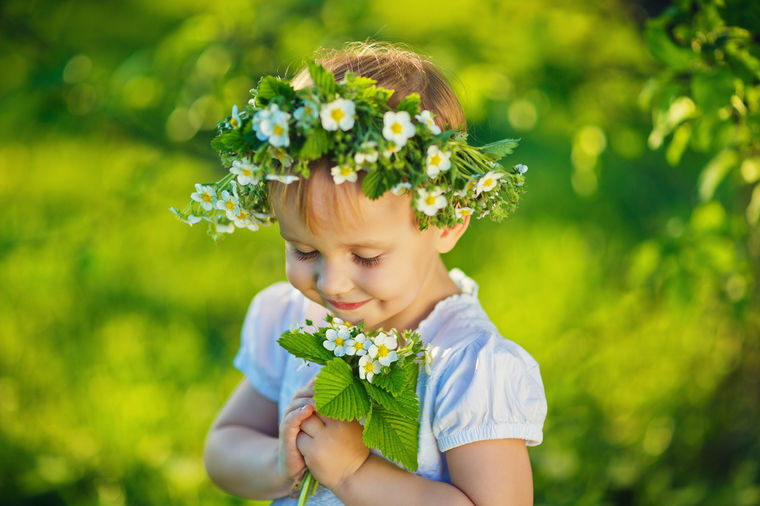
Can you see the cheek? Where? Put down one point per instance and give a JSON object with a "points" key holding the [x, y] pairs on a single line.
{"points": [[299, 274]]}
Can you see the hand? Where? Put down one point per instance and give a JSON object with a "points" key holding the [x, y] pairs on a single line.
{"points": [[290, 462], [333, 450]]}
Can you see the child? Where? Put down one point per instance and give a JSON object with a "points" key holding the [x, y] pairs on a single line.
{"points": [[368, 260]]}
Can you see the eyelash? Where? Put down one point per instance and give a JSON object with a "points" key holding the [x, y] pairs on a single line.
{"points": [[311, 255]]}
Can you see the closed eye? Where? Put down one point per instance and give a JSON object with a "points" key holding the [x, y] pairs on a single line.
{"points": [[368, 262], [303, 255]]}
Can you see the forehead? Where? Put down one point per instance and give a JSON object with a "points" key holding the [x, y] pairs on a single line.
{"points": [[342, 212]]}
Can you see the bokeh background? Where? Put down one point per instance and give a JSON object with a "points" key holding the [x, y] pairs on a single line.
{"points": [[630, 271]]}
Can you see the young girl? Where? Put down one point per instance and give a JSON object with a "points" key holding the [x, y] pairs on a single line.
{"points": [[368, 260]]}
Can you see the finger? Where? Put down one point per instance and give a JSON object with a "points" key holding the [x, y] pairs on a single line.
{"points": [[297, 404], [303, 442], [291, 423], [312, 426]]}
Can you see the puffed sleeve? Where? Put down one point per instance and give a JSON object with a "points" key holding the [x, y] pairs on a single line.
{"points": [[260, 358], [490, 389]]}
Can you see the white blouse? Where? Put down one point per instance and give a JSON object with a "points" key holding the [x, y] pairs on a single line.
{"points": [[482, 385]]}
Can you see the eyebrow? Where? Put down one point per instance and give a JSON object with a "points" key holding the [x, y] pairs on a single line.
{"points": [[367, 244]]}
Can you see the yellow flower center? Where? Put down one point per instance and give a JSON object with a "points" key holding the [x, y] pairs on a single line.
{"points": [[488, 182], [465, 212], [435, 160], [206, 197], [358, 345], [382, 351], [339, 341], [470, 186], [345, 171], [247, 172], [337, 115], [235, 123], [368, 367], [307, 110], [396, 128], [230, 205], [278, 130], [243, 215], [430, 200]]}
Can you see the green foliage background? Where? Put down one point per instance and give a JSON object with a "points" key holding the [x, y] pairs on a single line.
{"points": [[629, 272]]}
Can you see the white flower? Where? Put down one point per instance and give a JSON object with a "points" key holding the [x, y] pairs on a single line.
{"points": [[383, 348], [521, 168], [229, 204], [235, 119], [397, 127], [368, 368], [470, 186], [437, 161], [307, 112], [426, 119], [488, 182], [205, 195], [430, 202], [336, 322], [343, 173], [272, 124], [243, 219], [190, 219], [227, 228], [357, 345], [392, 148], [244, 170], [368, 153], [282, 178], [336, 340], [339, 113], [463, 212], [401, 188]]}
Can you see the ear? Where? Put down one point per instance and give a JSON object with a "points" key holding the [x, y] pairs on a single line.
{"points": [[448, 237]]}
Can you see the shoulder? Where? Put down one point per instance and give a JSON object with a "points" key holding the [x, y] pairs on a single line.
{"points": [[459, 331], [482, 385]]}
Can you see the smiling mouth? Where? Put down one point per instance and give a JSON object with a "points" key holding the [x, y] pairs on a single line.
{"points": [[347, 306]]}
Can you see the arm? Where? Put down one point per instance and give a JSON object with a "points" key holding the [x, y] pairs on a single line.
{"points": [[482, 473], [245, 452]]}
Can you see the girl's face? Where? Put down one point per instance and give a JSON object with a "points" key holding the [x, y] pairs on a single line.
{"points": [[372, 265]]}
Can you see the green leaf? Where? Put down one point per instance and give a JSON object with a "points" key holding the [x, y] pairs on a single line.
{"points": [[306, 346], [500, 148], [229, 142], [664, 48], [406, 404], [271, 87], [394, 435], [394, 382], [374, 184], [316, 144], [323, 79], [338, 393], [715, 171], [410, 104]]}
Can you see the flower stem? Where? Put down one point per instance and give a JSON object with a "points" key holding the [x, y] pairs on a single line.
{"points": [[308, 487]]}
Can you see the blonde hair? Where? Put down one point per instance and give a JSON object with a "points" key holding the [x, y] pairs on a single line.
{"points": [[393, 67]]}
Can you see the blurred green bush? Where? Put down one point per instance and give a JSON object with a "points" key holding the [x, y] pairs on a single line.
{"points": [[629, 274]]}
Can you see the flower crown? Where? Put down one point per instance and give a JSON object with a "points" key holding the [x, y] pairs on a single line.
{"points": [[282, 130]]}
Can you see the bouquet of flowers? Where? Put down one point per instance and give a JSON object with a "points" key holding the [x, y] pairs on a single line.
{"points": [[370, 376]]}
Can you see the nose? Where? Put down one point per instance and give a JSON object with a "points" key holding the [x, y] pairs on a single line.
{"points": [[333, 278]]}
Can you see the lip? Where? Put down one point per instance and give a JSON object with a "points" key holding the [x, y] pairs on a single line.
{"points": [[347, 306]]}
